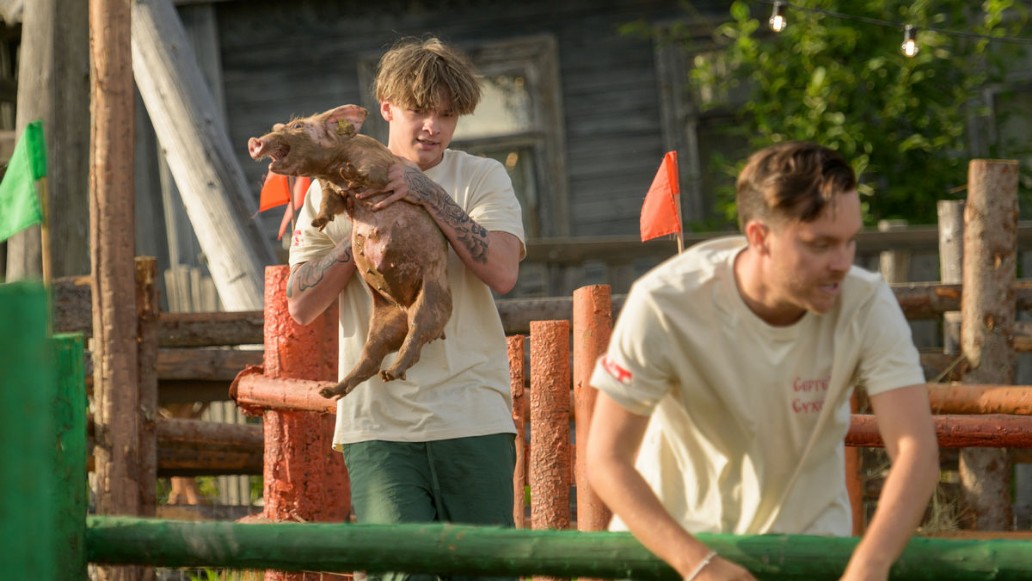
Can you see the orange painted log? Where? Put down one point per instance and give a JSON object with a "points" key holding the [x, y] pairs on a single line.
{"points": [[854, 479], [956, 398], [517, 378], [255, 392], [550, 424], [592, 325], [305, 479], [955, 431]]}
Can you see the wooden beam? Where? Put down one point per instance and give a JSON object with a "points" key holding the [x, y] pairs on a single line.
{"points": [[214, 190], [921, 300]]}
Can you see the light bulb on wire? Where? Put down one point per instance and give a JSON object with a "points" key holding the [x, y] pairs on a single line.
{"points": [[777, 16], [909, 45]]}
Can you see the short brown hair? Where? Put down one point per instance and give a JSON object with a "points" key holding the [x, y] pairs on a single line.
{"points": [[794, 180], [414, 72]]}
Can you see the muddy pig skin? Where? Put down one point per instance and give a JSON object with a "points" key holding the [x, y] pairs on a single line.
{"points": [[399, 251]]}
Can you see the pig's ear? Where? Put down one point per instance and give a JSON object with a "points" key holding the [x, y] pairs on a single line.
{"points": [[346, 119]]}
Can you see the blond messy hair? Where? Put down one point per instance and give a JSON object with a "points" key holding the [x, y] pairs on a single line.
{"points": [[414, 74]]}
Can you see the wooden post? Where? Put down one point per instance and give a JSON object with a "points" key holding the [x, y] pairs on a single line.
{"points": [[215, 192], [27, 479], [54, 85], [987, 307], [115, 372], [517, 384], [550, 425], [147, 307], [951, 261], [592, 325], [305, 479]]}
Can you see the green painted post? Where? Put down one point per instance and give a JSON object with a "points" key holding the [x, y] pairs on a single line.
{"points": [[69, 457], [27, 437]]}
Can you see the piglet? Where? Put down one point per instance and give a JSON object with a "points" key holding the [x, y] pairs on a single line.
{"points": [[399, 251]]}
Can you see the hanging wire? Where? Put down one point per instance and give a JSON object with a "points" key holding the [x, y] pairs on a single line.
{"points": [[891, 24]]}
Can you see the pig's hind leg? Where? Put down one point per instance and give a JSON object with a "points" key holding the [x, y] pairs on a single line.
{"points": [[426, 319], [387, 328]]}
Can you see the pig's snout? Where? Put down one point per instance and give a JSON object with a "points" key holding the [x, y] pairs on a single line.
{"points": [[255, 147]]}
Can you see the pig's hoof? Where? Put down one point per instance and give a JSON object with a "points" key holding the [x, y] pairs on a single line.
{"points": [[333, 392], [388, 375]]}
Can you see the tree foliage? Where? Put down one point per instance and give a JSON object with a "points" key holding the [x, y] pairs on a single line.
{"points": [[836, 75]]}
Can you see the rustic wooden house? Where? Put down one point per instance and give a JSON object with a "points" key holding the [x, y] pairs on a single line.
{"points": [[578, 106], [579, 111]]}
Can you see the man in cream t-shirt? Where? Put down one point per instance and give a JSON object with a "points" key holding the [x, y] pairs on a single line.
{"points": [[724, 393], [439, 445]]}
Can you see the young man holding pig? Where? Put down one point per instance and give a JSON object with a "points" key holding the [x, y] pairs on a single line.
{"points": [[724, 393], [437, 445]]}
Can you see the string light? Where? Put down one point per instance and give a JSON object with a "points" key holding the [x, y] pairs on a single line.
{"points": [[910, 41], [780, 6], [777, 16]]}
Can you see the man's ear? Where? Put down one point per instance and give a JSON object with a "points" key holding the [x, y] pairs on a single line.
{"points": [[756, 233], [385, 111]]}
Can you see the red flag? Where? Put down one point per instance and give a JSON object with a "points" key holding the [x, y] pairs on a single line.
{"points": [[275, 192], [659, 213]]}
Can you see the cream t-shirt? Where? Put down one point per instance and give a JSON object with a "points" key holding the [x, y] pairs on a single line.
{"points": [[460, 385], [737, 441]]}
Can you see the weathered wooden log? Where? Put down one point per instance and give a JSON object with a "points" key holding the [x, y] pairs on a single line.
{"points": [[919, 300], [492, 551], [623, 249], [987, 323], [112, 252], [210, 181], [206, 364], [200, 448], [196, 447], [212, 329], [996, 431]]}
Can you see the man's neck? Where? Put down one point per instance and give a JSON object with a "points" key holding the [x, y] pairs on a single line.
{"points": [[750, 280]]}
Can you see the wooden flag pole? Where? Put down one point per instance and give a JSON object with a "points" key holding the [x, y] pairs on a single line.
{"points": [[677, 207], [44, 232]]}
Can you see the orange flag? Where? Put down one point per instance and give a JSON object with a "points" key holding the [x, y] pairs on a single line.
{"points": [[659, 213], [300, 189], [275, 192]]}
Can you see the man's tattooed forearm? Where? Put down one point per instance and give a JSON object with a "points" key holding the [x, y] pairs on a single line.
{"points": [[312, 273], [470, 234]]}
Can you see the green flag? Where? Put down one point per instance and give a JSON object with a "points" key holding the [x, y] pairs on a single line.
{"points": [[19, 203]]}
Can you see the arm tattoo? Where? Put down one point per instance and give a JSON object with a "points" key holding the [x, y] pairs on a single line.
{"points": [[470, 234], [311, 273]]}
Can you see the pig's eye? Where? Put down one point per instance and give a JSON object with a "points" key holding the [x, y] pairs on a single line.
{"points": [[295, 125]]}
